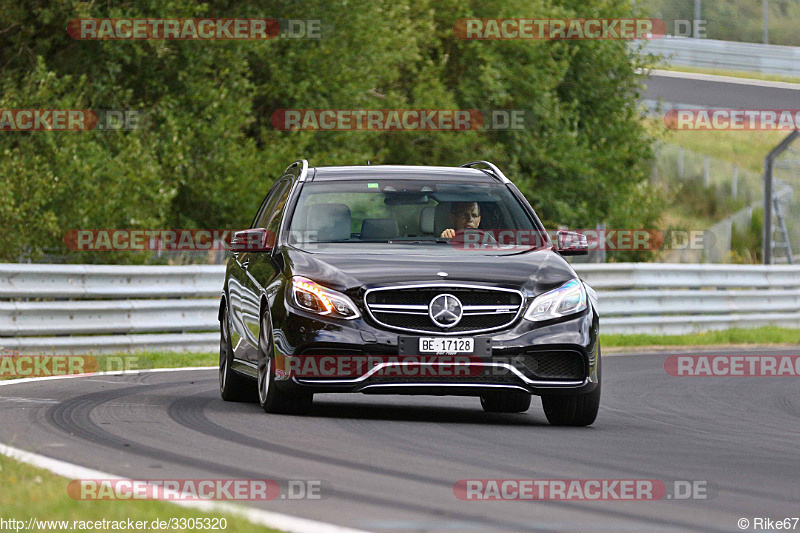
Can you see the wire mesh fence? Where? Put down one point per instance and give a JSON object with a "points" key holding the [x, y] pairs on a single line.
{"points": [[786, 211], [717, 197]]}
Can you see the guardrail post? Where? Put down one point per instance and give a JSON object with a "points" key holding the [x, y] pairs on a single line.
{"points": [[601, 253], [767, 250], [697, 12], [654, 166], [768, 192]]}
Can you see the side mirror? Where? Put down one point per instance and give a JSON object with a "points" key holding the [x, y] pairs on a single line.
{"points": [[571, 243], [253, 240]]}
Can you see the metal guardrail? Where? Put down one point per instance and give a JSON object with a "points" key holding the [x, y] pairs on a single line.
{"points": [[108, 281], [692, 276], [728, 55], [675, 299], [69, 309]]}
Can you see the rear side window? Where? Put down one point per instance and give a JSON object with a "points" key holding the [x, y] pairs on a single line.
{"points": [[274, 222], [278, 192]]}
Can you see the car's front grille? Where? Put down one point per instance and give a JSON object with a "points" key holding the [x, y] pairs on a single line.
{"points": [[423, 323], [423, 296], [560, 364], [406, 308]]}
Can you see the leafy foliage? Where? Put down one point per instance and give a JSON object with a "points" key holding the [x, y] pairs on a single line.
{"points": [[208, 152]]}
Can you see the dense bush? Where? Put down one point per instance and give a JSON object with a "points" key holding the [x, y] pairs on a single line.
{"points": [[209, 152], [747, 242]]}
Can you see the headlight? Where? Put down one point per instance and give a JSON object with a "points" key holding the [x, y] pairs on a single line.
{"points": [[309, 296], [568, 299]]}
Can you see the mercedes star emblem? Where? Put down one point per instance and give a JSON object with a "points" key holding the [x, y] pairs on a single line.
{"points": [[445, 310]]}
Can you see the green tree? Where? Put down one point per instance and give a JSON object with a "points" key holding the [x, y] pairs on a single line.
{"points": [[208, 151]]}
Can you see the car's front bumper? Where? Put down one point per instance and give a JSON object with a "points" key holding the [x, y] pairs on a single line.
{"points": [[299, 336]]}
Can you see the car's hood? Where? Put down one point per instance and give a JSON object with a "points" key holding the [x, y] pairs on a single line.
{"points": [[536, 271]]}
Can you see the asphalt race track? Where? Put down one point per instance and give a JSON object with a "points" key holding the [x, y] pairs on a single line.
{"points": [[714, 91], [391, 461]]}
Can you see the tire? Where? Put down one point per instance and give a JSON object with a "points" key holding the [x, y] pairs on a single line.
{"points": [[270, 397], [576, 409], [506, 402], [232, 386]]}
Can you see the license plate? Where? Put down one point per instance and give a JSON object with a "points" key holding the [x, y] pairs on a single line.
{"points": [[449, 345]]}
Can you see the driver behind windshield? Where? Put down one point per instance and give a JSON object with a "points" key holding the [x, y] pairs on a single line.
{"points": [[464, 215]]}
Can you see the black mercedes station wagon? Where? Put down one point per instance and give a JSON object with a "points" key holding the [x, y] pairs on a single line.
{"points": [[407, 280]]}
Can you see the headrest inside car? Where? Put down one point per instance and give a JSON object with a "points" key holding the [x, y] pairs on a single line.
{"points": [[379, 229], [426, 216], [332, 222]]}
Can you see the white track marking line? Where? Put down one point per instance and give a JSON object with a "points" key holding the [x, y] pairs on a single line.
{"points": [[110, 373], [259, 517], [724, 79], [18, 399]]}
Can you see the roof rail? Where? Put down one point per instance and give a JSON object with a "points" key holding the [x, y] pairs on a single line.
{"points": [[298, 168], [492, 168]]}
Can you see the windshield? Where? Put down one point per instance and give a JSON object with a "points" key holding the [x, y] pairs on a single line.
{"points": [[406, 212]]}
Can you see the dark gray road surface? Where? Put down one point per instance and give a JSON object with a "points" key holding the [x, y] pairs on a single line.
{"points": [[392, 460], [722, 94]]}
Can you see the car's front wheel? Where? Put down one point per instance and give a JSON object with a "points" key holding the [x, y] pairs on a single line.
{"points": [[232, 386], [506, 402], [271, 398], [575, 409]]}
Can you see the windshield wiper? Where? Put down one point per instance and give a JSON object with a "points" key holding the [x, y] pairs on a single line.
{"points": [[426, 241]]}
